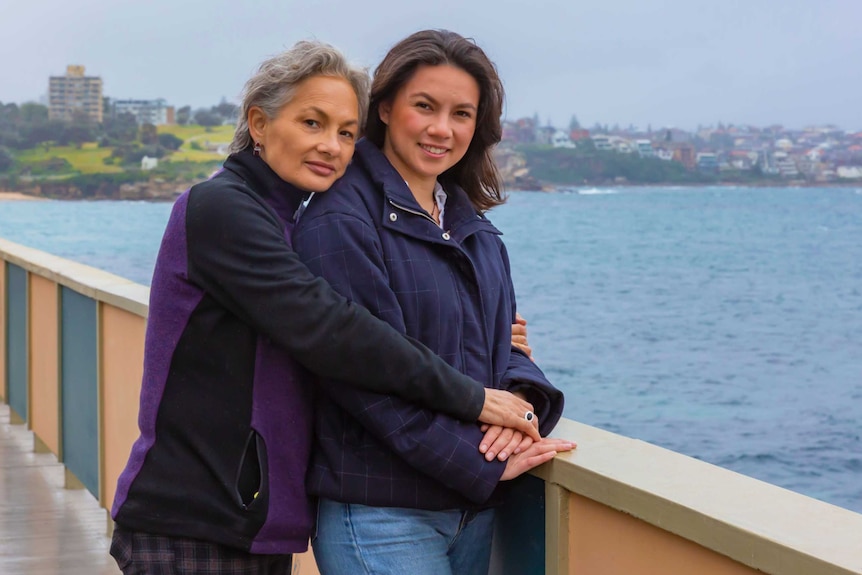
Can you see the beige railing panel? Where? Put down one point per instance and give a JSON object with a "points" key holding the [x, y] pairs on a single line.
{"points": [[44, 364], [122, 359]]}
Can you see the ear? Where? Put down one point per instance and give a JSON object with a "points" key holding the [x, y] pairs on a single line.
{"points": [[257, 122], [384, 111]]}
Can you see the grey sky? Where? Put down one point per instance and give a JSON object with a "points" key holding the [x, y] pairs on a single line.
{"points": [[659, 62]]}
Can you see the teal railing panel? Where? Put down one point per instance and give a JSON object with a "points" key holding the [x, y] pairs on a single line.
{"points": [[16, 339], [519, 529], [79, 387]]}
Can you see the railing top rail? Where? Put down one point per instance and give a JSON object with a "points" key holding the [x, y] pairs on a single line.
{"points": [[87, 280], [753, 522]]}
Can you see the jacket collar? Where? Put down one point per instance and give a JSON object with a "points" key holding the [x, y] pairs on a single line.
{"points": [[461, 218], [284, 198]]}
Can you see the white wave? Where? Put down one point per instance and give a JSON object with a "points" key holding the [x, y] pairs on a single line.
{"points": [[596, 192]]}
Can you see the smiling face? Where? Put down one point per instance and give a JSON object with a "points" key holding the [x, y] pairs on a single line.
{"points": [[430, 123], [310, 141]]}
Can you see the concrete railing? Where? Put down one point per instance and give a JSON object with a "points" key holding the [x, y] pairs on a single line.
{"points": [[71, 355]]}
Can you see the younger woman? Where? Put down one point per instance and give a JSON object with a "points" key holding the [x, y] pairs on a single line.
{"points": [[403, 489]]}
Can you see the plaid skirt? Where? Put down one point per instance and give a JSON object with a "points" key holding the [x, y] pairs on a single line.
{"points": [[139, 553]]}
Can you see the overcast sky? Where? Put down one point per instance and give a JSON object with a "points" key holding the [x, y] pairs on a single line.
{"points": [[644, 62]]}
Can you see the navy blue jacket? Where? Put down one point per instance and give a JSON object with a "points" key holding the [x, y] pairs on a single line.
{"points": [[449, 289], [225, 416]]}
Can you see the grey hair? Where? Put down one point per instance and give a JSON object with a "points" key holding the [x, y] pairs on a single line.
{"points": [[276, 81]]}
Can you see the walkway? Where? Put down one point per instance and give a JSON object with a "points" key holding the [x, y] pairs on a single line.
{"points": [[44, 528]]}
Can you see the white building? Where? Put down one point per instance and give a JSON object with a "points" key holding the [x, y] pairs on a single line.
{"points": [[148, 163], [156, 112], [644, 148], [560, 139], [850, 172]]}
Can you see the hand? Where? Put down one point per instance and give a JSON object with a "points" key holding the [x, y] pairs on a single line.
{"points": [[537, 454], [507, 410], [519, 336], [502, 442]]}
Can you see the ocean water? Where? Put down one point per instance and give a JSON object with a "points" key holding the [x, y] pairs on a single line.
{"points": [[723, 323]]}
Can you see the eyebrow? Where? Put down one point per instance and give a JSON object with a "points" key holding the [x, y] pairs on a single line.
{"points": [[317, 110], [433, 101]]}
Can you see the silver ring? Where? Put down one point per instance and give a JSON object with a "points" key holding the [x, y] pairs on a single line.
{"points": [[529, 416]]}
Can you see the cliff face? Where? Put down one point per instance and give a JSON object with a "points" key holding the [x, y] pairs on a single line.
{"points": [[156, 190], [514, 171]]}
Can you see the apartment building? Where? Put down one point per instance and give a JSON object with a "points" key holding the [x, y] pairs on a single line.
{"points": [[74, 94], [156, 112]]}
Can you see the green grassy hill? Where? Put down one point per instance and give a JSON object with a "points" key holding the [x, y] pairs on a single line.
{"points": [[201, 145], [88, 159]]}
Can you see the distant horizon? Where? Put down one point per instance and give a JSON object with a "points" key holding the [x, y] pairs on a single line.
{"points": [[43, 100]]}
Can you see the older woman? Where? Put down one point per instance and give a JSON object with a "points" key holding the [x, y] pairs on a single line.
{"points": [[404, 233], [214, 483]]}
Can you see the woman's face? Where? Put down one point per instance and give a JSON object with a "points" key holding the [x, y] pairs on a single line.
{"points": [[430, 122], [310, 141]]}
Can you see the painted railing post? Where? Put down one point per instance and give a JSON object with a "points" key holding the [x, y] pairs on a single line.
{"points": [[3, 326], [16, 343], [79, 385]]}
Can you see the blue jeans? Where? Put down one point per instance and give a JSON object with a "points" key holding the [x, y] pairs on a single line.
{"points": [[360, 540]]}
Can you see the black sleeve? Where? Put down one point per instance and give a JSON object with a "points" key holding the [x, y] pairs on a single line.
{"points": [[238, 254]]}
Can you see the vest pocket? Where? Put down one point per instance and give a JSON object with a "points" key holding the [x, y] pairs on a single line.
{"points": [[249, 481]]}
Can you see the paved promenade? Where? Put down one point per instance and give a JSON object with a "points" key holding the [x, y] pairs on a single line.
{"points": [[44, 528]]}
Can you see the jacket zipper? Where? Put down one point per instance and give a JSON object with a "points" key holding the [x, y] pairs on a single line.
{"points": [[488, 351], [414, 212]]}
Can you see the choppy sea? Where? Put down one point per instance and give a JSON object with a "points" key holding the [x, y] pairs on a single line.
{"points": [[723, 323]]}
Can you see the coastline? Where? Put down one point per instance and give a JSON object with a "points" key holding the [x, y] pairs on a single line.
{"points": [[19, 197]]}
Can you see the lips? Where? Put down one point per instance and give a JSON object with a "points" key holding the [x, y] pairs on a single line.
{"points": [[321, 168], [434, 150]]}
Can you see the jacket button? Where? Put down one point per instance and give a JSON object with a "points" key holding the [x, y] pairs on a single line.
{"points": [[445, 235], [393, 216]]}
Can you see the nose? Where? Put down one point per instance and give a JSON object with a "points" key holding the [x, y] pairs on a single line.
{"points": [[440, 126], [329, 144]]}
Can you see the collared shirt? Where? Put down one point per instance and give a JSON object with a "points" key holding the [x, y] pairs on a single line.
{"points": [[440, 198]]}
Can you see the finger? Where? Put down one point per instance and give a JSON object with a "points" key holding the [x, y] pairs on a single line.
{"points": [[519, 330], [525, 444], [521, 463], [505, 409], [509, 448], [528, 351], [484, 427], [556, 444], [531, 428], [519, 339], [489, 438], [500, 444], [537, 460], [519, 319]]}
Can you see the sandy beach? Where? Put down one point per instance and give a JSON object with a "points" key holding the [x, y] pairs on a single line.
{"points": [[17, 196]]}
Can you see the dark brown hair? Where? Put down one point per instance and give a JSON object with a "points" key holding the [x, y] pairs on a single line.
{"points": [[476, 172]]}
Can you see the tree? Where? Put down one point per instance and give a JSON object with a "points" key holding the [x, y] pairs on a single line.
{"points": [[122, 129], [184, 114], [149, 135], [170, 142], [33, 112], [6, 160], [226, 110], [574, 124], [207, 118]]}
